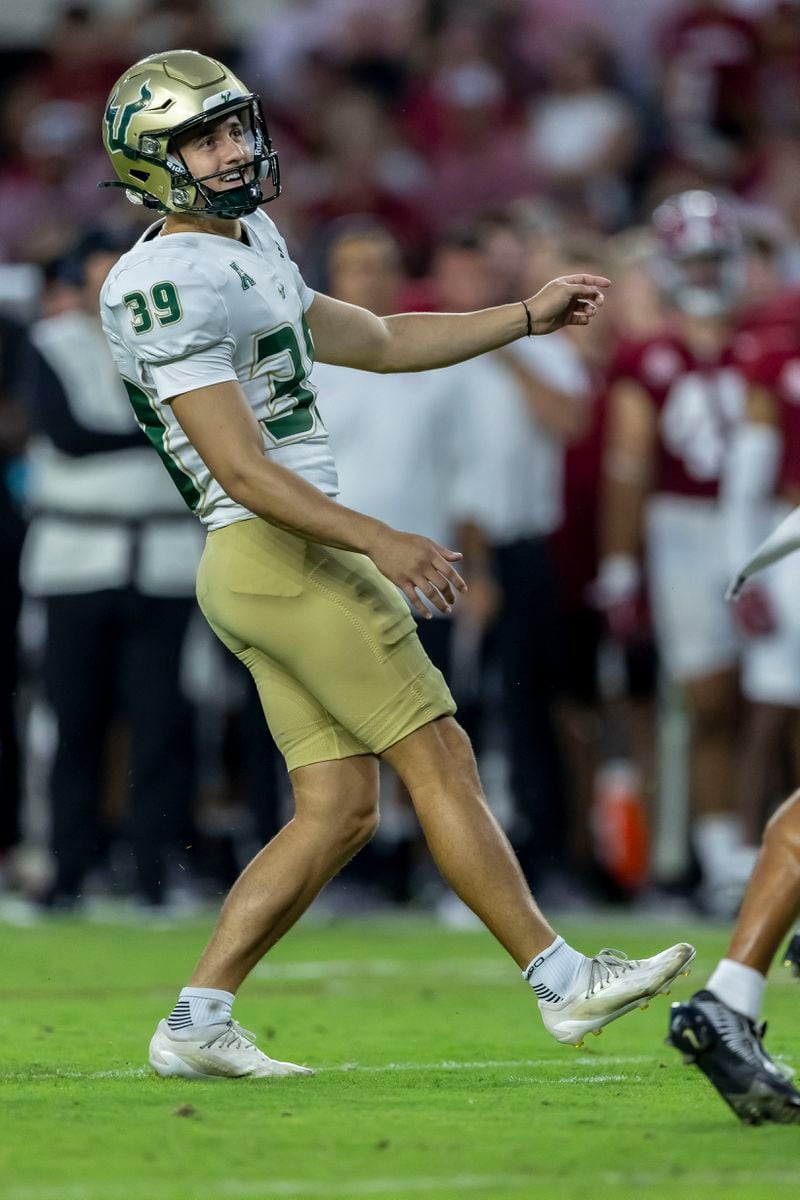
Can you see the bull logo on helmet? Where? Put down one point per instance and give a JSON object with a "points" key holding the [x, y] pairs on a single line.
{"points": [[118, 118]]}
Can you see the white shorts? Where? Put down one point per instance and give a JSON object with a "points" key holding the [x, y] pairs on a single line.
{"points": [[687, 575], [771, 664]]}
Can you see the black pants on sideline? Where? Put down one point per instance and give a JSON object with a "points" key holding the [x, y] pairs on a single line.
{"points": [[10, 782], [109, 652], [528, 643]]}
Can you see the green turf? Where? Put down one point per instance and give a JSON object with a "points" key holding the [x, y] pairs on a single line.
{"points": [[401, 1022]]}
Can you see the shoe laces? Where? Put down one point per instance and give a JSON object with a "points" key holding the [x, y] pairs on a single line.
{"points": [[606, 966], [232, 1036]]}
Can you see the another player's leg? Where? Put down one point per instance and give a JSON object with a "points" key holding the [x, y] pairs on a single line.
{"points": [[336, 812], [718, 1029], [576, 994], [712, 703]]}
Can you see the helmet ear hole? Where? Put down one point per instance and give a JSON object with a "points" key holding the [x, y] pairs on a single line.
{"points": [[142, 176]]}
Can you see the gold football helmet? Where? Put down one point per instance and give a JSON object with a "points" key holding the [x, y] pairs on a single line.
{"points": [[163, 96]]}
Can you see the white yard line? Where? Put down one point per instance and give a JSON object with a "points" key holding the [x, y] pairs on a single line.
{"points": [[279, 1187], [631, 1181], [386, 1068]]}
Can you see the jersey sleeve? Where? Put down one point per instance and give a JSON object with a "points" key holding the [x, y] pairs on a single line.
{"points": [[625, 362], [764, 370], [171, 316]]}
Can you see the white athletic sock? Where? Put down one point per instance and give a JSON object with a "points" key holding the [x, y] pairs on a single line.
{"points": [[716, 839], [201, 1006], [738, 986], [552, 973]]}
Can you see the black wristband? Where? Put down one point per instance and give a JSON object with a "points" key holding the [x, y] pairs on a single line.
{"points": [[528, 315]]}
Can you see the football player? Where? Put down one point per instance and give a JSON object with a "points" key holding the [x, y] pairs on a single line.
{"points": [[719, 1028], [761, 487], [214, 332], [675, 399]]}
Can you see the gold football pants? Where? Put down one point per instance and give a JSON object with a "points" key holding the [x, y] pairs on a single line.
{"points": [[331, 644]]}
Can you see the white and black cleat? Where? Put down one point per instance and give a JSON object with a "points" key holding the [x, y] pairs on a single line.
{"points": [[728, 1048], [609, 986]]}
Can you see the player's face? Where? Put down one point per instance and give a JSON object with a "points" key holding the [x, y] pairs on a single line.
{"points": [[227, 144], [365, 271]]}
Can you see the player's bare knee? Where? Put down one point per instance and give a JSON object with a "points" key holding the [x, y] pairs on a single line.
{"points": [[783, 827], [360, 827]]}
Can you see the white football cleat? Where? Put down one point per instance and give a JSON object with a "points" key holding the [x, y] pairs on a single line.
{"points": [[609, 986], [214, 1052]]}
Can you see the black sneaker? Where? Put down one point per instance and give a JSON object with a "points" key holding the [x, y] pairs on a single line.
{"points": [[792, 956], [727, 1048]]}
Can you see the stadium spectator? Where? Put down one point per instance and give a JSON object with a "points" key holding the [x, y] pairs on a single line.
{"points": [[710, 59], [156, 23], [514, 419], [582, 135], [112, 553], [364, 169], [606, 707], [462, 117], [396, 459]]}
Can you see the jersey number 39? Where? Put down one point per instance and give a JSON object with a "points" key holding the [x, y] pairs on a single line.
{"points": [[284, 365]]}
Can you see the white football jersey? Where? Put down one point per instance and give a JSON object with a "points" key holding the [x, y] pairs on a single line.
{"points": [[188, 310]]}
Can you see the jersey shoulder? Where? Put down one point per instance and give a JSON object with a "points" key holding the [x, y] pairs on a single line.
{"points": [[166, 301], [653, 362], [183, 261]]}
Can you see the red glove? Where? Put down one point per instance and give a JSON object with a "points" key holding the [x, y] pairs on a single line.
{"points": [[753, 613]]}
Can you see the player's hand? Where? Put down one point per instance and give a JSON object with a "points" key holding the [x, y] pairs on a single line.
{"points": [[753, 612], [568, 300], [416, 565], [616, 593]]}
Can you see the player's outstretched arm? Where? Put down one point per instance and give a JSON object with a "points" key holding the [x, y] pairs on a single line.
{"points": [[224, 432], [348, 336]]}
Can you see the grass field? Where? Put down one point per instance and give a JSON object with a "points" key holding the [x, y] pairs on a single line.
{"points": [[435, 1078]]}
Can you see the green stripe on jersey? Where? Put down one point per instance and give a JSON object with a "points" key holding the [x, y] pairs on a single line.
{"points": [[156, 429]]}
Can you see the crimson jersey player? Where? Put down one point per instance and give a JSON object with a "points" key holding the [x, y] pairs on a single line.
{"points": [[720, 1028], [674, 404], [762, 487]]}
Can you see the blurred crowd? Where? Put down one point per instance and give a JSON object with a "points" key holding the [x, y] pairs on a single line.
{"points": [[603, 483]]}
